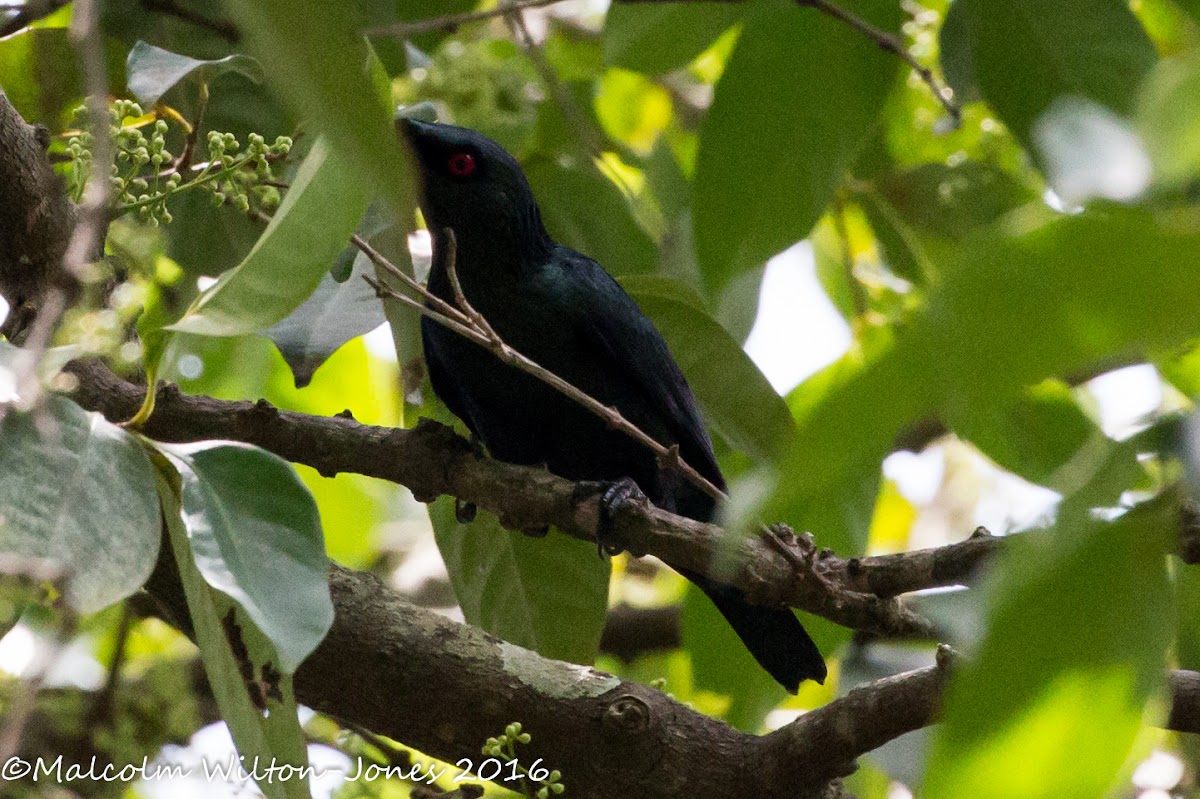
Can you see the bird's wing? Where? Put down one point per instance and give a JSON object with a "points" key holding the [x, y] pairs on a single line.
{"points": [[441, 377], [607, 319]]}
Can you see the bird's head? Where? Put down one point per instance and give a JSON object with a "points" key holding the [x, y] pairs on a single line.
{"points": [[471, 184]]}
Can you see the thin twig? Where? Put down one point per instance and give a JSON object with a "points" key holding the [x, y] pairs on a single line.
{"points": [[23, 702], [29, 13], [891, 43], [452, 21], [887, 42], [857, 293], [469, 323], [88, 236], [608, 413]]}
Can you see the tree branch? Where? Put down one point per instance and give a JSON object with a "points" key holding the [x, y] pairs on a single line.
{"points": [[778, 569]]}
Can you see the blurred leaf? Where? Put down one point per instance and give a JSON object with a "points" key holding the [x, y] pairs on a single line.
{"points": [[632, 109], [255, 535], [952, 202], [1034, 436], [321, 66], [1020, 305], [275, 737], [1050, 674], [548, 594], [312, 225], [782, 130], [331, 316], [1023, 55], [39, 71], [829, 260], [584, 211], [1168, 118], [153, 71], [736, 398], [575, 55], [659, 37], [79, 491], [902, 250]]}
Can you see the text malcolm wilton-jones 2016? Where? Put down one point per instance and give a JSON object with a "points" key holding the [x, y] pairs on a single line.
{"points": [[232, 769]]}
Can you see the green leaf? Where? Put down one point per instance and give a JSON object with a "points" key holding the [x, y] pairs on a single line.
{"points": [[736, 398], [659, 37], [255, 536], [1168, 118], [1035, 436], [79, 491], [1024, 54], [1037, 299], [152, 71], [334, 314], [310, 229], [275, 738], [323, 68], [1078, 627], [952, 202], [546, 594], [584, 211], [782, 131]]}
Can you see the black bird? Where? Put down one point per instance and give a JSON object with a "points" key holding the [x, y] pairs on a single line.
{"points": [[562, 310]]}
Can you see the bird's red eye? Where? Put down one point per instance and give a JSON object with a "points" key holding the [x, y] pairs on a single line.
{"points": [[461, 165]]}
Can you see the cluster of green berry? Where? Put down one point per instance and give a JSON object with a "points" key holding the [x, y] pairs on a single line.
{"points": [[504, 748], [245, 173], [144, 174]]}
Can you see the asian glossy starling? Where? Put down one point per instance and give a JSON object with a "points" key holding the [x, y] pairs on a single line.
{"points": [[562, 310]]}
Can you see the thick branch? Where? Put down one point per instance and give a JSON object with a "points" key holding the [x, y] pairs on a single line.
{"points": [[36, 218], [431, 460], [443, 687]]}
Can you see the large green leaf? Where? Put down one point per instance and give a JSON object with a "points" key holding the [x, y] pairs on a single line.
{"points": [[79, 491], [1169, 119], [1037, 299], [586, 212], [1035, 436], [324, 69], [331, 316], [722, 664], [152, 71], [1024, 54], [271, 738], [310, 229], [736, 398], [548, 594], [1060, 686], [782, 130], [659, 37], [255, 535]]}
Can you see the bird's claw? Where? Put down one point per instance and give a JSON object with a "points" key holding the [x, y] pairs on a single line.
{"points": [[464, 512], [612, 497]]}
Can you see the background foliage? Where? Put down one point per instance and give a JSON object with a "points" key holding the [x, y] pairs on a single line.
{"points": [[990, 273]]}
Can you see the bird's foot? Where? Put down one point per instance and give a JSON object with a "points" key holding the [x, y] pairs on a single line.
{"points": [[477, 447], [613, 495], [464, 512]]}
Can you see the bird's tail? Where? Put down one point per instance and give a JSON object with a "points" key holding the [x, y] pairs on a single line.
{"points": [[773, 635]]}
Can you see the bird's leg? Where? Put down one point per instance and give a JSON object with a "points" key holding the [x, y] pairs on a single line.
{"points": [[613, 495], [465, 512]]}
